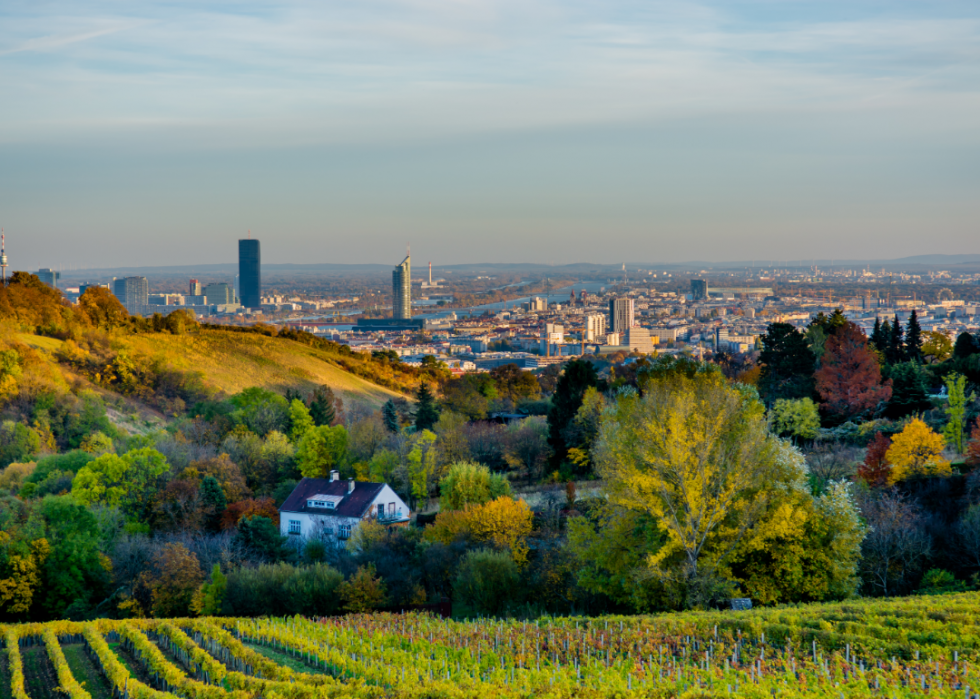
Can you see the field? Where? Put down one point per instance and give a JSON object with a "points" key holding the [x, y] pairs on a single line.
{"points": [[926, 646], [233, 361]]}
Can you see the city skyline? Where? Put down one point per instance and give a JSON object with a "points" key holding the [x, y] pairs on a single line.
{"points": [[489, 131]]}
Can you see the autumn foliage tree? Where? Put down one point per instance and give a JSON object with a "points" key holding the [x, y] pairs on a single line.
{"points": [[504, 523], [849, 378], [176, 579], [875, 469], [917, 451]]}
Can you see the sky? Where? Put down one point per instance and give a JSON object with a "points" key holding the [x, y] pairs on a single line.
{"points": [[145, 133]]}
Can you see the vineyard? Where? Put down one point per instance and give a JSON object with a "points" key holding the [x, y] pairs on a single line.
{"points": [[926, 646]]}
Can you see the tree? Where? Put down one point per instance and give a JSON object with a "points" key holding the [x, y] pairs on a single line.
{"points": [[129, 481], [694, 454], [468, 483], [917, 451], [176, 578], [18, 443], [363, 592], [10, 371], [390, 413], [426, 411], [581, 433], [956, 410], [322, 450], [527, 447], [913, 338], [896, 346], [260, 536], [908, 390], [487, 581], [225, 471], [210, 597], [966, 346], [879, 337], [504, 523], [579, 375], [896, 544], [787, 364], [937, 347], [875, 469], [323, 407], [20, 566], [102, 308], [973, 447], [796, 418], [300, 421], [849, 380], [421, 465], [213, 501], [451, 436]]}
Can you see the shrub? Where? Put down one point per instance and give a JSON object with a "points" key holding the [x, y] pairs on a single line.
{"points": [[486, 581]]}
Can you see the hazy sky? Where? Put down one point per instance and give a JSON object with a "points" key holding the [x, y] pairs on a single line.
{"points": [[143, 133]]}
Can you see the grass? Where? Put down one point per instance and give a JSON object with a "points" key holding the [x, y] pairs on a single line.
{"points": [[285, 659], [129, 662], [39, 676], [5, 692], [84, 670]]}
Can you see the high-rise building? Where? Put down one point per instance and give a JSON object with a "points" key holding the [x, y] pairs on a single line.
{"points": [[699, 289], [49, 277], [132, 292], [595, 327], [219, 294], [620, 315], [401, 286], [249, 273], [638, 339], [195, 288]]}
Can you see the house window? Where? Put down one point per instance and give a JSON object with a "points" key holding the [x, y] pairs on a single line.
{"points": [[381, 511], [343, 531], [295, 527], [391, 509]]}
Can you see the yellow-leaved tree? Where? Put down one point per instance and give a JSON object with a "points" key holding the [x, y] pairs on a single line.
{"points": [[695, 454], [917, 451], [504, 522], [23, 573]]}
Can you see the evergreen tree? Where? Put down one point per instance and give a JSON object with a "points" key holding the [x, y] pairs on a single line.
{"points": [[913, 339], [966, 345], [426, 410], [877, 336], [909, 394], [896, 347], [214, 501], [579, 375], [321, 407], [787, 364], [390, 413]]}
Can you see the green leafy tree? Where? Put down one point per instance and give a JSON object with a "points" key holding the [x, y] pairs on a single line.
{"points": [[467, 483], [300, 421], [18, 443], [390, 414], [130, 481], [787, 364], [487, 581], [956, 411], [966, 346], [74, 573], [799, 419], [579, 375], [422, 464], [364, 591], [261, 537], [322, 450], [210, 599], [426, 410], [913, 338]]}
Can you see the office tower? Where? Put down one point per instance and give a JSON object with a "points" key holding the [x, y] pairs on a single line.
{"points": [[401, 285], [49, 277], [620, 315], [195, 288], [132, 292], [219, 294], [699, 289], [3, 256], [249, 273], [595, 327], [638, 340]]}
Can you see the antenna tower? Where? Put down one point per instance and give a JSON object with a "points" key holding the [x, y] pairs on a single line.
{"points": [[3, 256]]}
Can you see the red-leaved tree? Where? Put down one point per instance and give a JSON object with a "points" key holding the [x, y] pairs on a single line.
{"points": [[876, 469], [849, 379], [973, 446]]}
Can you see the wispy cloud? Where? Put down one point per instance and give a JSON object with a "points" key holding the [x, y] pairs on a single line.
{"points": [[54, 42]]}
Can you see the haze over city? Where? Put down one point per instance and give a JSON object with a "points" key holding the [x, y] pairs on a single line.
{"points": [[153, 134]]}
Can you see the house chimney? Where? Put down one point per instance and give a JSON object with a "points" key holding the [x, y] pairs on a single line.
{"points": [[335, 475], [350, 486]]}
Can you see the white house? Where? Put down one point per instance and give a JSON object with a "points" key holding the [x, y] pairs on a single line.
{"points": [[331, 509]]}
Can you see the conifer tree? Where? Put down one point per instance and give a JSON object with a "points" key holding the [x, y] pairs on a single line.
{"points": [[877, 337], [913, 339], [426, 410], [896, 346], [390, 413], [213, 499], [321, 407]]}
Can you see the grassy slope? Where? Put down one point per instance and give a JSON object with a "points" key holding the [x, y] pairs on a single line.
{"points": [[235, 361]]}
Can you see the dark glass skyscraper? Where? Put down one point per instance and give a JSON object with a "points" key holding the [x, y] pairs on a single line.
{"points": [[249, 273]]}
